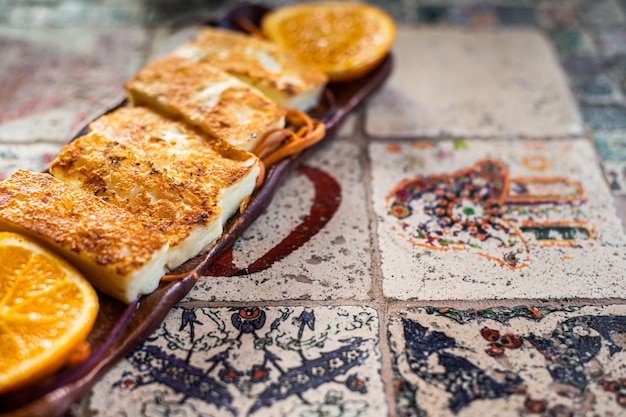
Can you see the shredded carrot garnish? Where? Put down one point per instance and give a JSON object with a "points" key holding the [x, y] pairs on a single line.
{"points": [[177, 277], [301, 132]]}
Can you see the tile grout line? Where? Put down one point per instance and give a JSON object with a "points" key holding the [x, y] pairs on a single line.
{"points": [[377, 293]]}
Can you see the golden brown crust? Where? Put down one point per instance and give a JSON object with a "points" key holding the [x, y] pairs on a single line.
{"points": [[77, 221], [130, 180], [206, 97], [187, 155], [260, 62]]}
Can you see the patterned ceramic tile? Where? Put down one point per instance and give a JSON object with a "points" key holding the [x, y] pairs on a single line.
{"points": [[251, 361], [53, 80], [516, 15], [615, 173], [573, 41], [510, 361], [600, 89], [611, 145], [313, 242], [495, 219], [601, 12], [604, 118], [34, 157], [476, 15], [522, 88], [556, 15], [348, 127], [77, 14], [611, 41], [433, 14], [582, 66], [617, 69]]}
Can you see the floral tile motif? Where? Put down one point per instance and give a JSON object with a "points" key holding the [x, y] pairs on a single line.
{"points": [[251, 361], [493, 219], [509, 361], [313, 242], [523, 90]]}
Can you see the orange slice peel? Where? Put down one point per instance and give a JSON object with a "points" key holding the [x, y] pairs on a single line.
{"points": [[47, 310], [343, 40]]}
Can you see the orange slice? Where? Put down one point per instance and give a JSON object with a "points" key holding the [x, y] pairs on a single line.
{"points": [[343, 40], [47, 309]]}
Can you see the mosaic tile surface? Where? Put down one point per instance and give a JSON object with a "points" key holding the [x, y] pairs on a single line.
{"points": [[53, 81], [251, 361], [518, 219], [509, 361], [34, 157], [313, 242], [495, 219], [511, 84]]}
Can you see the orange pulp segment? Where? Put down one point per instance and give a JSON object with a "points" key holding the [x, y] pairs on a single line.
{"points": [[47, 309], [343, 40]]}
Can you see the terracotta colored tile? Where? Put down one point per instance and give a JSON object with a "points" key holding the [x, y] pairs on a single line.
{"points": [[495, 219], [289, 254], [510, 84], [252, 361], [509, 361]]}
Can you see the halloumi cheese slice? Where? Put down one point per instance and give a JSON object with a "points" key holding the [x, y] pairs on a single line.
{"points": [[118, 253], [188, 156], [277, 73], [113, 171], [205, 96]]}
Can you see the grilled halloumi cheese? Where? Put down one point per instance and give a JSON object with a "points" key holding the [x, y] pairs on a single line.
{"points": [[187, 155], [185, 213], [118, 253], [205, 96], [277, 73]]}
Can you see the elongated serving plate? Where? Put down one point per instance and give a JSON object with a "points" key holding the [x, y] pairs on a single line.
{"points": [[120, 328]]}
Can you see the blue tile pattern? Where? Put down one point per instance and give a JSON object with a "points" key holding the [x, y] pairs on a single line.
{"points": [[492, 361]]}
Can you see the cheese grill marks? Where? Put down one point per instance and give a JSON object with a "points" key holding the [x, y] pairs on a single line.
{"points": [[188, 216], [121, 255], [187, 156], [275, 72], [204, 96]]}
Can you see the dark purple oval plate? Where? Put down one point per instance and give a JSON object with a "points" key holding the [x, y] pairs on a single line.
{"points": [[120, 328]]}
